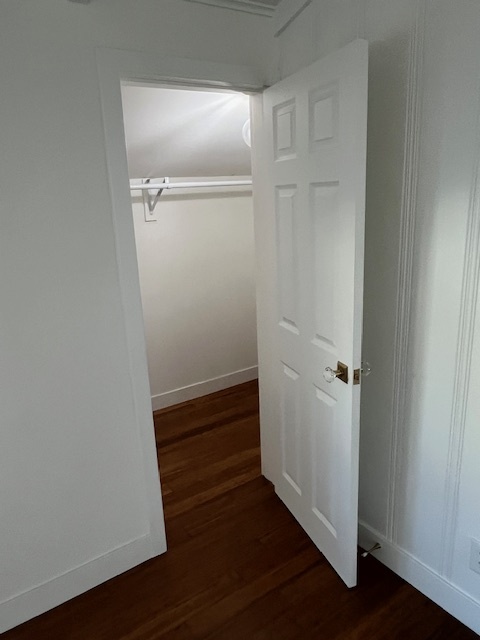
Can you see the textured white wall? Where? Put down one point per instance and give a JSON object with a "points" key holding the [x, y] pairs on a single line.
{"points": [[420, 437], [196, 267], [72, 485]]}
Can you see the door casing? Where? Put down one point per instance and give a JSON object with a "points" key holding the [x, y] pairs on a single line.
{"points": [[114, 68]]}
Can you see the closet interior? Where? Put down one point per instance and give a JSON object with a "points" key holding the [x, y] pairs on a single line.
{"points": [[190, 180]]}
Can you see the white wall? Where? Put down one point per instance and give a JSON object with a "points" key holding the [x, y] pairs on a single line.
{"points": [[420, 438], [70, 487], [72, 494], [196, 267]]}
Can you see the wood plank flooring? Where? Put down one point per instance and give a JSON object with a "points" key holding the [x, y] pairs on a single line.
{"points": [[239, 567]]}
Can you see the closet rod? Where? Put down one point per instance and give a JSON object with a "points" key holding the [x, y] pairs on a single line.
{"points": [[188, 185]]}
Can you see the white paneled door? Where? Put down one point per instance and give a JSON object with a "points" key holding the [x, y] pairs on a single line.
{"points": [[315, 143]]}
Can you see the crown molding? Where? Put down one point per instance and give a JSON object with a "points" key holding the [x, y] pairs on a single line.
{"points": [[287, 12], [266, 9]]}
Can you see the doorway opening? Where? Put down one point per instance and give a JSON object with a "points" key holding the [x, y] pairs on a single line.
{"points": [[196, 262], [309, 166]]}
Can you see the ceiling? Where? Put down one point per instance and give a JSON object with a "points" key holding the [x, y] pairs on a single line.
{"points": [[259, 7], [178, 133]]}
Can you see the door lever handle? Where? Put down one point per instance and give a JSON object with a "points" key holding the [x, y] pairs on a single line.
{"points": [[341, 372]]}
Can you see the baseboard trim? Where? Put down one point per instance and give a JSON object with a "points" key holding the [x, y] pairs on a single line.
{"points": [[458, 603], [199, 389], [48, 595]]}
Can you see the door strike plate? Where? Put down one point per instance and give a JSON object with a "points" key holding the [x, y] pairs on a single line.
{"points": [[356, 376]]}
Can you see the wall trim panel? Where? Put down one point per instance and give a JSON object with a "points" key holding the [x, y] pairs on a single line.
{"points": [[458, 603], [48, 595], [199, 389], [466, 330], [406, 256]]}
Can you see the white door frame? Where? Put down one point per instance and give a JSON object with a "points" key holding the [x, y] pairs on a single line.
{"points": [[114, 67]]}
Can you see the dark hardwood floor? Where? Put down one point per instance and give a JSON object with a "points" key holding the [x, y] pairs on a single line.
{"points": [[239, 567]]}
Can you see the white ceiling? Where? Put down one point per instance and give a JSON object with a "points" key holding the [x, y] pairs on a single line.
{"points": [[177, 133]]}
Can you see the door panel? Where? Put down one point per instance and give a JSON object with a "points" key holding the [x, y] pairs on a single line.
{"points": [[315, 151], [290, 428]]}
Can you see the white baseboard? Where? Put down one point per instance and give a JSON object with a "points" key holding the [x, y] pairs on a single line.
{"points": [[199, 389], [458, 603], [48, 595]]}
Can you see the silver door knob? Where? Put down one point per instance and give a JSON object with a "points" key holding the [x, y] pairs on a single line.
{"points": [[341, 372], [330, 374], [366, 369], [363, 372]]}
